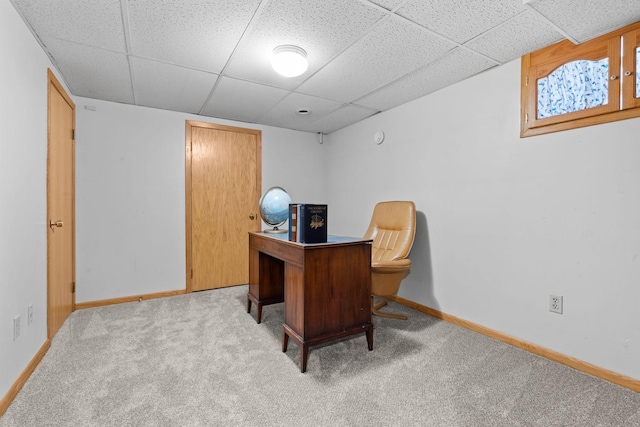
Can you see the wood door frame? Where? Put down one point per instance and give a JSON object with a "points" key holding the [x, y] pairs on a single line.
{"points": [[54, 84], [188, 170]]}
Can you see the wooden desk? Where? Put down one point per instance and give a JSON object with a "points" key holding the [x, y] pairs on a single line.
{"points": [[326, 287]]}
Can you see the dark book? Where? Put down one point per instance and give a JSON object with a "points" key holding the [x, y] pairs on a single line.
{"points": [[312, 226], [294, 223]]}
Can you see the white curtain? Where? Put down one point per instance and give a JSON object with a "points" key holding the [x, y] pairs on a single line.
{"points": [[574, 86]]}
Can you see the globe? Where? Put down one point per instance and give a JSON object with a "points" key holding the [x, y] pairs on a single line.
{"points": [[274, 208]]}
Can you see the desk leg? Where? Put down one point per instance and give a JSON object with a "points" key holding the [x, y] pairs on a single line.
{"points": [[304, 349], [258, 308], [370, 337], [304, 355]]}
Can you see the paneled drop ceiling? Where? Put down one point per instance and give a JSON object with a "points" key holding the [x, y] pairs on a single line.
{"points": [[212, 57]]}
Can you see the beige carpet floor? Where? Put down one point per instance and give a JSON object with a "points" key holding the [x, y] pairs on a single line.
{"points": [[201, 360]]}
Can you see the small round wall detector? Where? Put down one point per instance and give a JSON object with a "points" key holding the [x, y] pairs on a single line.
{"points": [[378, 137]]}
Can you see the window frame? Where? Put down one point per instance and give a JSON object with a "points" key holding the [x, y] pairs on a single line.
{"points": [[630, 43], [619, 46]]}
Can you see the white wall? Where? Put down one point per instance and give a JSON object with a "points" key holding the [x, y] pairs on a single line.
{"points": [[130, 189], [503, 221], [23, 186]]}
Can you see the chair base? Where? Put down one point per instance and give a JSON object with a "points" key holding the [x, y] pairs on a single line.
{"points": [[376, 307]]}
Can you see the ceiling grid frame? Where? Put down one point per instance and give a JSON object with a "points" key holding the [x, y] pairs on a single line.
{"points": [[196, 51], [127, 44]]}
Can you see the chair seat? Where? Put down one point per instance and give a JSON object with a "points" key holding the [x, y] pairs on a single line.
{"points": [[390, 267]]}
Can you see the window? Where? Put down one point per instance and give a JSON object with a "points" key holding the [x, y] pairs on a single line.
{"points": [[566, 86], [631, 68], [637, 72]]}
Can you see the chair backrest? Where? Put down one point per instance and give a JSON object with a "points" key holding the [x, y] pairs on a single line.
{"points": [[392, 229]]}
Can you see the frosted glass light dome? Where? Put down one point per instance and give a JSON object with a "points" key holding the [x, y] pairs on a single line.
{"points": [[289, 60]]}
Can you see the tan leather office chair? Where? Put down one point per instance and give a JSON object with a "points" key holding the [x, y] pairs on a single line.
{"points": [[392, 229]]}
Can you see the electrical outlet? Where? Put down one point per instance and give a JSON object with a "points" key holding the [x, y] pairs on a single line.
{"points": [[29, 314], [555, 303], [16, 327]]}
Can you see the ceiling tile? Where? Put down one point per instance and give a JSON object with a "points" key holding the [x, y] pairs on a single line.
{"points": [[284, 114], [94, 23], [460, 20], [586, 19], [93, 73], [244, 101], [169, 87], [193, 33], [523, 34], [392, 50], [452, 67], [387, 4], [338, 119], [365, 55], [321, 27]]}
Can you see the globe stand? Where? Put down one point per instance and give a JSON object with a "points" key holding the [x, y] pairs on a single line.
{"points": [[274, 230]]}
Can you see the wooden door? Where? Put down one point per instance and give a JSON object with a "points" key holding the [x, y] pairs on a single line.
{"points": [[222, 194], [60, 206]]}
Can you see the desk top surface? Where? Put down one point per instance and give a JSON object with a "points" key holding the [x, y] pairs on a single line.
{"points": [[331, 239]]}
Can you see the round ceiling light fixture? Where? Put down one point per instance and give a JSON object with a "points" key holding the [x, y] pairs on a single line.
{"points": [[289, 60]]}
